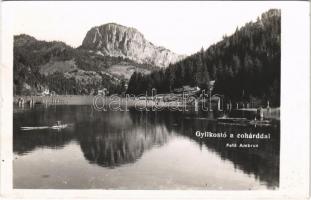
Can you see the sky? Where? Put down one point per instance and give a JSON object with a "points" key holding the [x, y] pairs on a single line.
{"points": [[183, 27]]}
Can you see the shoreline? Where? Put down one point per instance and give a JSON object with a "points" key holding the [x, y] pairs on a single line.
{"points": [[119, 102], [91, 100]]}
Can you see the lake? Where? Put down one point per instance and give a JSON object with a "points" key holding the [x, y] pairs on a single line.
{"points": [[138, 150]]}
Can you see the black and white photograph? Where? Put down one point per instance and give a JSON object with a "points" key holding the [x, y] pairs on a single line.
{"points": [[147, 95]]}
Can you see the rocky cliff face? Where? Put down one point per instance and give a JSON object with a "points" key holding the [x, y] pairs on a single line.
{"points": [[117, 40]]}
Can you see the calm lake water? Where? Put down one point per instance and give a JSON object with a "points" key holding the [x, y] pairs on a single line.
{"points": [[138, 150]]}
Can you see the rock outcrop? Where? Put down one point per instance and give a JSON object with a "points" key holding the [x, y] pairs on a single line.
{"points": [[117, 40]]}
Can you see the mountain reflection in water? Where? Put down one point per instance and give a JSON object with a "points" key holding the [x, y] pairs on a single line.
{"points": [[114, 139]]}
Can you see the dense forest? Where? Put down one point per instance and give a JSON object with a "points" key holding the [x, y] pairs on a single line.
{"points": [[245, 65]]}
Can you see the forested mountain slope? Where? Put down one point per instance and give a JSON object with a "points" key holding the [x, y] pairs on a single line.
{"points": [[245, 65], [66, 70]]}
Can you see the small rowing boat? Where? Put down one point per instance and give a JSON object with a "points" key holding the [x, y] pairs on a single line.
{"points": [[57, 126], [26, 128], [260, 122]]}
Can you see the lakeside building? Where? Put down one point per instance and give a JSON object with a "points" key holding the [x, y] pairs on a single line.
{"points": [[187, 89], [102, 92], [45, 92]]}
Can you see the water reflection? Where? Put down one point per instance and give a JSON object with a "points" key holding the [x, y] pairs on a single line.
{"points": [[263, 162], [115, 138], [112, 139]]}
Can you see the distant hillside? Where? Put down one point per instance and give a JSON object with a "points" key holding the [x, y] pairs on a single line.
{"points": [[66, 70], [245, 65]]}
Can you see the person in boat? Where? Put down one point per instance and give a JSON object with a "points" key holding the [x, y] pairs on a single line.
{"points": [[58, 123], [260, 113]]}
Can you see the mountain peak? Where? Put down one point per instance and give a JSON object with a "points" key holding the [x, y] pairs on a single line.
{"points": [[116, 25], [117, 40]]}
